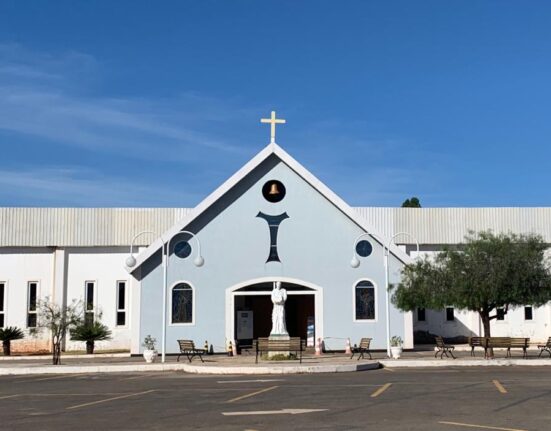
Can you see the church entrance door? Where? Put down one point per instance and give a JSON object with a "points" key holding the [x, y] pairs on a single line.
{"points": [[252, 312]]}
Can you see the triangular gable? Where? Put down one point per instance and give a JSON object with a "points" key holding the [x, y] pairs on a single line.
{"points": [[246, 170]]}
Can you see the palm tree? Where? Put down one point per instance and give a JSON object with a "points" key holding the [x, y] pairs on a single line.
{"points": [[7, 335], [91, 332]]}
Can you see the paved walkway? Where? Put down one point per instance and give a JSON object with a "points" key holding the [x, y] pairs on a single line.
{"points": [[245, 364]]}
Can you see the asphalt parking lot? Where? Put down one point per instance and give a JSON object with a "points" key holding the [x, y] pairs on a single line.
{"points": [[498, 398]]}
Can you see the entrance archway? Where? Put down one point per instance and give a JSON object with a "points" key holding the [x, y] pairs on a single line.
{"points": [[249, 309]]}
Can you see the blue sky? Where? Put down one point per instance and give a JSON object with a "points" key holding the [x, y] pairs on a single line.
{"points": [[134, 103]]}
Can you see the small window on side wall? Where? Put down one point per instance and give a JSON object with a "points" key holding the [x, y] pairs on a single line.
{"points": [[528, 313], [2, 304], [421, 315], [89, 304], [32, 298], [182, 303], [121, 303], [364, 295], [450, 314], [500, 313]]}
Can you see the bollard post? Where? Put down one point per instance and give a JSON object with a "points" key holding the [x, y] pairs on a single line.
{"points": [[318, 347], [347, 350]]}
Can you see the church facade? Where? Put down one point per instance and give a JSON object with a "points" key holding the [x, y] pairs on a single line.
{"points": [[207, 273]]}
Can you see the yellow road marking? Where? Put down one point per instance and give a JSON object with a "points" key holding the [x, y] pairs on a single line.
{"points": [[64, 376], [78, 406], [381, 390], [388, 369], [9, 396], [242, 397], [499, 387], [459, 424]]}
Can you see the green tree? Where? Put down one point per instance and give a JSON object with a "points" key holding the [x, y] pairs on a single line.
{"points": [[7, 335], [411, 203], [90, 333], [487, 272]]}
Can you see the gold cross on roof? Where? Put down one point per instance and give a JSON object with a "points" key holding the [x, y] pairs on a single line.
{"points": [[273, 121]]}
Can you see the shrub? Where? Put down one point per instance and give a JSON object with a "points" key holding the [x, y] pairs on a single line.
{"points": [[7, 335], [90, 333]]}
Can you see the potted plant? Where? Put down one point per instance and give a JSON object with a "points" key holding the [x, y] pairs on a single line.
{"points": [[90, 333], [396, 346], [149, 353], [7, 335]]}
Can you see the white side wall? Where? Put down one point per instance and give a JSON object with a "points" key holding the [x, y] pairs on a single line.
{"points": [[104, 266], [19, 266], [61, 274]]}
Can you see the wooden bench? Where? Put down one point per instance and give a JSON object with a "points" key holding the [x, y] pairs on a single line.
{"points": [[507, 343], [293, 345], [545, 347], [477, 342], [362, 349], [187, 347], [443, 348]]}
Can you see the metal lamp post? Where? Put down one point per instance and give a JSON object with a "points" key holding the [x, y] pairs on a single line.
{"points": [[355, 263], [198, 261]]}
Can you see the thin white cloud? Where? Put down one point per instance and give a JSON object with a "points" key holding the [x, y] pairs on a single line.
{"points": [[78, 186], [45, 96]]}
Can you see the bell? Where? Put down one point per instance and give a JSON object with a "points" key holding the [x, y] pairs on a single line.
{"points": [[273, 189]]}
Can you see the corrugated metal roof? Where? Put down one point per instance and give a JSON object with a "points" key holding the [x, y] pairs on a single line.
{"points": [[86, 227]]}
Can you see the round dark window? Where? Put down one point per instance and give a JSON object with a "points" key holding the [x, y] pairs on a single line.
{"points": [[364, 248], [182, 249], [273, 191]]}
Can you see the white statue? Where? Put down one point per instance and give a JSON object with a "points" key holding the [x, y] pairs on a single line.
{"points": [[279, 296]]}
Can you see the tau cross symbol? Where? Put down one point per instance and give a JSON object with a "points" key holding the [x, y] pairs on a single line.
{"points": [[273, 121]]}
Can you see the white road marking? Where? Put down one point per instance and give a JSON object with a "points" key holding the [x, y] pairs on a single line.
{"points": [[9, 396], [110, 399], [274, 412], [459, 424], [242, 397], [251, 381]]}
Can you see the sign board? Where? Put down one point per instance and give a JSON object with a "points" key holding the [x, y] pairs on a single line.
{"points": [[245, 325]]}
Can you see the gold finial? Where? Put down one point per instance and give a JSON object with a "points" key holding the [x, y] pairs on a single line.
{"points": [[273, 121]]}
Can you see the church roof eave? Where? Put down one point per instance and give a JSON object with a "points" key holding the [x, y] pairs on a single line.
{"points": [[266, 152]]}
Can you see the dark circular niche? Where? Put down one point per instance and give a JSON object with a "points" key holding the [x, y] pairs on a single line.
{"points": [[364, 248], [182, 249], [273, 191]]}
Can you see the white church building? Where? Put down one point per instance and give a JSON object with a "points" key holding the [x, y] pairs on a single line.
{"points": [[206, 273]]}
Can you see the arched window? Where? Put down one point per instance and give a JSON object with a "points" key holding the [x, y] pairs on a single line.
{"points": [[364, 299], [182, 303]]}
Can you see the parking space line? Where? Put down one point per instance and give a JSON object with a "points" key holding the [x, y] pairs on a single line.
{"points": [[460, 424], [251, 381], [381, 390], [78, 406], [64, 376], [142, 376], [499, 386], [242, 397], [8, 396]]}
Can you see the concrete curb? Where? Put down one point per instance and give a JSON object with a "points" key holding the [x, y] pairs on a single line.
{"points": [[439, 363], [49, 356], [189, 368]]}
